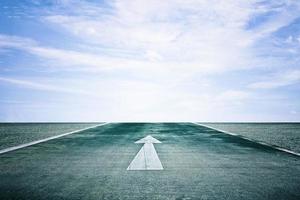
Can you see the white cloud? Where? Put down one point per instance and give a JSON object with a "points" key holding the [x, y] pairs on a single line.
{"points": [[151, 61], [7, 41], [233, 95], [42, 86], [286, 12], [205, 35], [278, 80], [195, 36]]}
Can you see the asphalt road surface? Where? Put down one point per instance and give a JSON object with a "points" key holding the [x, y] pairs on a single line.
{"points": [[198, 163]]}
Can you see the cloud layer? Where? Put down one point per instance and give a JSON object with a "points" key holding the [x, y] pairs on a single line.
{"points": [[150, 60]]}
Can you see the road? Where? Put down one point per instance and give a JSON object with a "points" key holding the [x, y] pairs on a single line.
{"points": [[198, 163]]}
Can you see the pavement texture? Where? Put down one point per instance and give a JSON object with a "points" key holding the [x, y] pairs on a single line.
{"points": [[198, 162]]}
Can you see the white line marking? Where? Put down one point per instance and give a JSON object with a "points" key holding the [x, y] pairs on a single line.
{"points": [[249, 139], [146, 158], [46, 139]]}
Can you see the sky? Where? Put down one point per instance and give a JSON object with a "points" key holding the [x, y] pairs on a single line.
{"points": [[149, 60]]}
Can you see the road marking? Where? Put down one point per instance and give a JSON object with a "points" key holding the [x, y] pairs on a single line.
{"points": [[46, 139], [249, 139], [146, 158]]}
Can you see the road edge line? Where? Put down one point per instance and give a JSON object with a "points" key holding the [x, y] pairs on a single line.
{"points": [[9, 149], [252, 140]]}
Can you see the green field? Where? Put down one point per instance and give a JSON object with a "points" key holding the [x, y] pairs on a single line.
{"points": [[198, 162]]}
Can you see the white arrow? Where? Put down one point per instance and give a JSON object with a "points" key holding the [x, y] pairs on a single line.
{"points": [[146, 158]]}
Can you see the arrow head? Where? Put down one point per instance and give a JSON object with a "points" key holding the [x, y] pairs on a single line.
{"points": [[148, 139]]}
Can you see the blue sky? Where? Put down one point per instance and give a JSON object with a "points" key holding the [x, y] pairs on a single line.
{"points": [[149, 60]]}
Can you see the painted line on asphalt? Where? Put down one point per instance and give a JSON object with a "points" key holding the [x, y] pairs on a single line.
{"points": [[9, 149], [146, 158], [252, 140]]}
